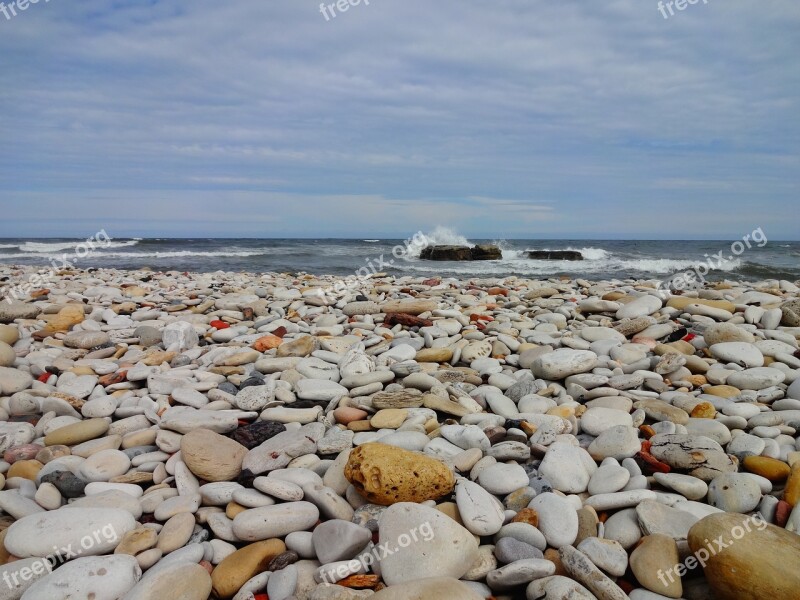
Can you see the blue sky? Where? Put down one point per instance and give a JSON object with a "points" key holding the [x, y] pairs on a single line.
{"points": [[511, 118]]}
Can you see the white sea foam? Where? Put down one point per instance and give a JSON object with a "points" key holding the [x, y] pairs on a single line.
{"points": [[48, 247]]}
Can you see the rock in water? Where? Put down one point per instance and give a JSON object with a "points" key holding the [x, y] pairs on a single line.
{"points": [[757, 561], [555, 255], [386, 474], [486, 252], [462, 253]]}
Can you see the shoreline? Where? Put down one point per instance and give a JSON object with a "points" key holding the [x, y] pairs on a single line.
{"points": [[231, 432]]}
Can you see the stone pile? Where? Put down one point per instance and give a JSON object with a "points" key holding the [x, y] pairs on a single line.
{"points": [[253, 436]]}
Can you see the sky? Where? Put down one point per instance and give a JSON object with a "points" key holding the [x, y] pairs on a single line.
{"points": [[597, 119]]}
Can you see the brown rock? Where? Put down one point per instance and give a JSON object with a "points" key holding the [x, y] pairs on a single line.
{"points": [[76, 433], [67, 317], [137, 540], [233, 572], [758, 561], [268, 342], [791, 493], [771, 468], [300, 347], [211, 456], [653, 564], [406, 320], [527, 515], [722, 391], [386, 474], [348, 414], [27, 469], [439, 355], [704, 410]]}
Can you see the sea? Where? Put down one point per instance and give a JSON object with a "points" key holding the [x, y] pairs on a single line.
{"points": [[603, 259]]}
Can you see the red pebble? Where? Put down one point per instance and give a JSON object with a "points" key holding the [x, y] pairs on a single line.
{"points": [[652, 464], [280, 332], [219, 324], [782, 512], [689, 337], [43, 377]]}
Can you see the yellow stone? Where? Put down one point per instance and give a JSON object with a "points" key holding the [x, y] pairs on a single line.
{"points": [[389, 418], [386, 474], [678, 346], [137, 540], [697, 380], [791, 492], [5, 555], [77, 433], [757, 561], [722, 391], [681, 302], [615, 297], [233, 509], [771, 468], [211, 456], [562, 411], [82, 371], [67, 317], [158, 357], [655, 555], [134, 291], [439, 355], [451, 510], [704, 410], [27, 469], [235, 570]]}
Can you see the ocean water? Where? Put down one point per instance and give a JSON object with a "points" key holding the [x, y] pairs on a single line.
{"points": [[603, 258]]}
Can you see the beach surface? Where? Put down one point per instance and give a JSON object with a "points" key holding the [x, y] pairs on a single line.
{"points": [[242, 435]]}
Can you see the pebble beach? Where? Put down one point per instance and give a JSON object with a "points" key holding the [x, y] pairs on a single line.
{"points": [[276, 436]]}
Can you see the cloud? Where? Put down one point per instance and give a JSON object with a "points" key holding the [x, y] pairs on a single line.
{"points": [[519, 118]]}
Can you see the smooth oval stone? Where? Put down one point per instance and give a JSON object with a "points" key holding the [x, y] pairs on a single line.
{"points": [[734, 492], [235, 570], [77, 433], [428, 543], [101, 529], [104, 465], [560, 364], [481, 513], [211, 456], [753, 562], [96, 577], [274, 521], [180, 582], [558, 519]]}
